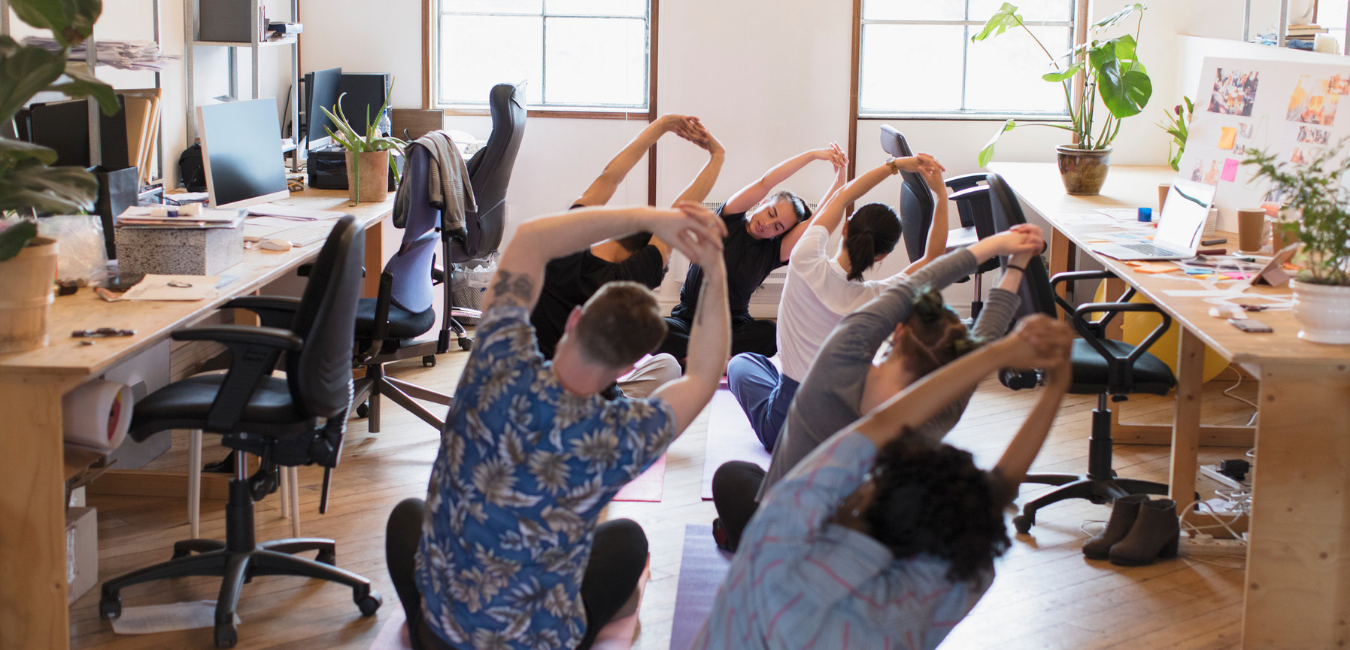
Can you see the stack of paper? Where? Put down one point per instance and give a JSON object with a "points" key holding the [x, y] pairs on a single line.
{"points": [[140, 217], [123, 55]]}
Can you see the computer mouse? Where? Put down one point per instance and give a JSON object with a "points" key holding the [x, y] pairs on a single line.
{"points": [[274, 245]]}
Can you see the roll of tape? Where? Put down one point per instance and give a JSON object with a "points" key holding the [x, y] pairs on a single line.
{"points": [[97, 414]]}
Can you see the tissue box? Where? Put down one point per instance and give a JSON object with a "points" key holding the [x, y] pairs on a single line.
{"points": [[179, 251], [81, 552]]}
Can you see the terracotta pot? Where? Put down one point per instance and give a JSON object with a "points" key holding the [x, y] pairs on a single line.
{"points": [[1083, 170], [26, 295], [368, 182], [1324, 312]]}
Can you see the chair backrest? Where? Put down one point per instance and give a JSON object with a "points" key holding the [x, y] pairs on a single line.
{"points": [[320, 374], [916, 200], [1037, 296], [422, 215], [490, 170], [410, 267]]}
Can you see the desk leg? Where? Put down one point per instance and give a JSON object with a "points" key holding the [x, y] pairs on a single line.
{"points": [[1062, 254], [1298, 564], [33, 610], [374, 260], [1186, 420]]}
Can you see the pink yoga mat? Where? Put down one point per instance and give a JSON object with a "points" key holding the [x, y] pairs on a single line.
{"points": [[702, 569], [648, 486], [729, 438]]}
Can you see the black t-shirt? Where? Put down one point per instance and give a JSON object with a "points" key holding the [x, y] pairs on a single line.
{"points": [[749, 261], [571, 281]]}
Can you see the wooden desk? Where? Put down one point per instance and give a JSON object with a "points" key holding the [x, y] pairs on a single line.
{"points": [[33, 610], [1298, 563]]}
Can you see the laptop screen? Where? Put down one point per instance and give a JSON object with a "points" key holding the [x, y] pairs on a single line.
{"points": [[1184, 214]]}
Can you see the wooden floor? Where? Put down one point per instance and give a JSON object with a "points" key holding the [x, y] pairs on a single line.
{"points": [[1046, 594]]}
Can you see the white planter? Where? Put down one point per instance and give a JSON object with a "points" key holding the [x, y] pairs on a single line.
{"points": [[1323, 311]]}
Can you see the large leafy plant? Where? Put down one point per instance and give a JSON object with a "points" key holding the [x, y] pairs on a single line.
{"points": [[1113, 74], [372, 141], [1316, 191]]}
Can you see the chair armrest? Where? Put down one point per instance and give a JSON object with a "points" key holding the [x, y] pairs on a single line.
{"points": [[381, 331], [1119, 379], [1075, 276], [272, 311], [253, 354], [965, 181], [968, 194], [268, 337]]}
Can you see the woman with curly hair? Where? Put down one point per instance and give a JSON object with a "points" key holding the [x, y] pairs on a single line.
{"points": [[880, 538]]}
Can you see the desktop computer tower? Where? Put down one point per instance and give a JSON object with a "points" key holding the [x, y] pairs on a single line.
{"points": [[327, 168]]}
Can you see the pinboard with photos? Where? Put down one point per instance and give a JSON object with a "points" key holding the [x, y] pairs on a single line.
{"points": [[1280, 107]]}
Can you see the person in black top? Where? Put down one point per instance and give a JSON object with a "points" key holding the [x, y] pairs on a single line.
{"points": [[762, 230], [570, 281]]}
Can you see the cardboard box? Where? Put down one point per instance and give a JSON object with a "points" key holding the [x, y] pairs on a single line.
{"points": [[81, 552], [179, 251]]}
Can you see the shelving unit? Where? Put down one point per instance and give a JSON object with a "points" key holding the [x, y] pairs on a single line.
{"points": [[192, 29]]}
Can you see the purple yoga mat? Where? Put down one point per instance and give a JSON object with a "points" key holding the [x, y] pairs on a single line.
{"points": [[702, 569], [729, 438]]}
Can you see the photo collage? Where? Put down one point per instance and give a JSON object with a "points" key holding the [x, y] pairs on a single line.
{"points": [[1234, 94]]}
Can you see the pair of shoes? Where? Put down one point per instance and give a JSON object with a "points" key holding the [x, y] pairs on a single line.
{"points": [[720, 536], [1140, 531]]}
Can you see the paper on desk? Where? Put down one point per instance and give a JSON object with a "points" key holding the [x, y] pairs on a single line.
{"points": [[190, 197], [1121, 214], [167, 618], [292, 212], [156, 287]]}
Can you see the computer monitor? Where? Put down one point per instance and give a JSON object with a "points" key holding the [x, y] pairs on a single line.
{"points": [[321, 90], [64, 127], [241, 153], [363, 89]]}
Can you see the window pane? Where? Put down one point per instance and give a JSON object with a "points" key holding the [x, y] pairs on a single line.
{"points": [[467, 75], [914, 10], [1004, 74], [535, 7], [981, 10], [911, 68], [634, 8], [596, 61]]}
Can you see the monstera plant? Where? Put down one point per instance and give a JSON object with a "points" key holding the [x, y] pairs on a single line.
{"points": [[1114, 80]]}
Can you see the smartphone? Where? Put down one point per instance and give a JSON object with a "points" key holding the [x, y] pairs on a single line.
{"points": [[1250, 326]]}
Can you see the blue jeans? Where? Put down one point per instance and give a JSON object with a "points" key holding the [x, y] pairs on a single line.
{"points": [[763, 393]]}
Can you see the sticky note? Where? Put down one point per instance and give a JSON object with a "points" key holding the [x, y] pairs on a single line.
{"points": [[1230, 168], [1155, 268], [1226, 138], [1237, 276]]}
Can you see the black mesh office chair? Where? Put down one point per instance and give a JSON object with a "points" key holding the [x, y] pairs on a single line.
{"points": [[296, 420], [1101, 366], [917, 206]]}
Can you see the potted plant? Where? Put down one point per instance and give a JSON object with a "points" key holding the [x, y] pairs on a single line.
{"points": [[367, 155], [1113, 74], [1178, 126], [1313, 191], [27, 181]]}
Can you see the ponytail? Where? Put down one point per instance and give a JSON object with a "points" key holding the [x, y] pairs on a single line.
{"points": [[873, 230], [861, 254]]}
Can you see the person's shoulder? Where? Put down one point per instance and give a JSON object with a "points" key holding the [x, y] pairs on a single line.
{"points": [[729, 217], [502, 323]]}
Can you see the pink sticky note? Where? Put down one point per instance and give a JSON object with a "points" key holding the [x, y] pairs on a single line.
{"points": [[1230, 168]]}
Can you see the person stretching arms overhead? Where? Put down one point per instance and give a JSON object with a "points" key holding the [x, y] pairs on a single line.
{"points": [[881, 538], [762, 230], [531, 453], [821, 290]]}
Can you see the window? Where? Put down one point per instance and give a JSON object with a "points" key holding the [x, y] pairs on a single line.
{"points": [[916, 58], [573, 54]]}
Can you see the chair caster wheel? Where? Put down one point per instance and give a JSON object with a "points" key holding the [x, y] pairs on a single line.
{"points": [[1023, 524], [226, 636], [327, 557], [368, 602], [465, 343], [429, 361], [363, 409], [109, 608]]}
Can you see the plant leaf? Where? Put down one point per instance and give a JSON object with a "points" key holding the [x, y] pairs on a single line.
{"points": [[13, 152], [24, 72], [987, 153], [15, 237], [1002, 20], [1118, 16], [1125, 92], [84, 84], [70, 21], [57, 190], [1065, 75]]}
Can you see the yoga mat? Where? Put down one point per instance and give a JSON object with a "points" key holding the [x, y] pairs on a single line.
{"points": [[648, 486], [729, 438], [702, 569]]}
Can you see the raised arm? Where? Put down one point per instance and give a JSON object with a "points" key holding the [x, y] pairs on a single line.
{"points": [[1017, 458], [603, 187], [755, 192], [521, 267], [709, 341], [937, 231], [702, 184], [840, 162], [831, 213]]}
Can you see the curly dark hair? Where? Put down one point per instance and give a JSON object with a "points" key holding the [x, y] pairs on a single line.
{"points": [[933, 500], [934, 335]]}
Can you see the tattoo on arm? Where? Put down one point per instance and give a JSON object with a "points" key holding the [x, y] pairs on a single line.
{"points": [[514, 290]]}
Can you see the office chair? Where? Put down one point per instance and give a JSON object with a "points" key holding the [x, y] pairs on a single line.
{"points": [[1101, 366], [286, 422], [917, 206]]}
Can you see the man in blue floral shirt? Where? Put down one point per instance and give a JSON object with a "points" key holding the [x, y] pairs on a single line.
{"points": [[532, 453]]}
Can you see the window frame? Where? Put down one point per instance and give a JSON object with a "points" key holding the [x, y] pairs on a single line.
{"points": [[1076, 29], [430, 57]]}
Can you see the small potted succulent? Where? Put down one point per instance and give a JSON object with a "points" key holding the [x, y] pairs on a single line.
{"points": [[1314, 193], [367, 155], [1113, 74]]}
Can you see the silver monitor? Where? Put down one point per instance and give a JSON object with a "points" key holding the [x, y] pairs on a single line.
{"points": [[241, 153]]}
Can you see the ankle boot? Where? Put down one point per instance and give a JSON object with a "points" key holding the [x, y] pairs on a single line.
{"points": [[1123, 514], [1156, 534]]}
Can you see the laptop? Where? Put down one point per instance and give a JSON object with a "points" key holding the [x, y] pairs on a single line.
{"points": [[1179, 228]]}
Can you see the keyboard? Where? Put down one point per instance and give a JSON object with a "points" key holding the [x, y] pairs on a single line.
{"points": [[1150, 249], [306, 234]]}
